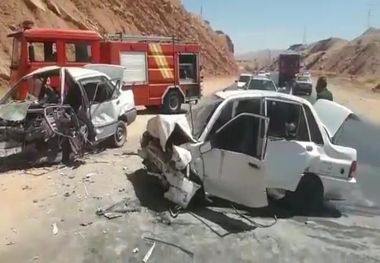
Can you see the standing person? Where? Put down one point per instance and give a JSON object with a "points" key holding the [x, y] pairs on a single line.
{"points": [[322, 91]]}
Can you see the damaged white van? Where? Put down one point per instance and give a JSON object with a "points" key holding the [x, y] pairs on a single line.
{"points": [[243, 145], [59, 109]]}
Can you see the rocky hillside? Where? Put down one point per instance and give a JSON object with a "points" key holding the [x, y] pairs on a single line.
{"points": [[359, 57], [159, 17]]}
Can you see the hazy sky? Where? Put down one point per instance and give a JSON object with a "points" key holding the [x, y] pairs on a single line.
{"points": [[276, 24]]}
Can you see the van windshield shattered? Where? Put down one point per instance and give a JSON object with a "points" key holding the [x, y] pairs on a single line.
{"points": [[202, 113]]}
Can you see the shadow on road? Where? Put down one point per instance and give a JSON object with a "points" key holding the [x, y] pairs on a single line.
{"points": [[148, 191], [231, 218], [157, 111], [33, 158]]}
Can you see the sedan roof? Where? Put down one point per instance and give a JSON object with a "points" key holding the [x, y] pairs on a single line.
{"points": [[75, 72], [227, 94]]}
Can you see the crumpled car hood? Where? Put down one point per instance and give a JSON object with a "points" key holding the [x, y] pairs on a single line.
{"points": [[163, 126], [14, 111]]}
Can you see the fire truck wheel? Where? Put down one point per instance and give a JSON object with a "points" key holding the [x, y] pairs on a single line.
{"points": [[172, 102], [120, 136]]}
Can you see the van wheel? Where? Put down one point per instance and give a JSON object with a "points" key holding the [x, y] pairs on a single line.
{"points": [[172, 102], [120, 136], [308, 196]]}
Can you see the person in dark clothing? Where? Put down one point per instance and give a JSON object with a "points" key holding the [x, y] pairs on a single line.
{"points": [[322, 91]]}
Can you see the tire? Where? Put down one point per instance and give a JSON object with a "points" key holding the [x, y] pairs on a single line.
{"points": [[172, 102], [308, 196], [120, 136]]}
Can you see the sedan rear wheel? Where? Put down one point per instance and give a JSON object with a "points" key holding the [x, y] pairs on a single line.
{"points": [[308, 196]]}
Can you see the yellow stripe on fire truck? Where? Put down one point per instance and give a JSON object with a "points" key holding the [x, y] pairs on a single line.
{"points": [[161, 61]]}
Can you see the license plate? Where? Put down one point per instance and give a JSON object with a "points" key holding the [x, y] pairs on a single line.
{"points": [[10, 151]]}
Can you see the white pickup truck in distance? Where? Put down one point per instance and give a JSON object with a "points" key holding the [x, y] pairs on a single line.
{"points": [[244, 79], [244, 145]]}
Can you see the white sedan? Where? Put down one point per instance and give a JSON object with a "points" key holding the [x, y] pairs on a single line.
{"points": [[243, 145]]}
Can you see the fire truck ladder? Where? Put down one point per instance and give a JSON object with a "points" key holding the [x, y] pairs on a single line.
{"points": [[139, 38]]}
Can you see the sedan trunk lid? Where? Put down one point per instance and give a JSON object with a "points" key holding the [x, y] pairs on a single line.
{"points": [[332, 115]]}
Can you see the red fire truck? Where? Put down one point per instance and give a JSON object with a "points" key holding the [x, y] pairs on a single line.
{"points": [[161, 70]]}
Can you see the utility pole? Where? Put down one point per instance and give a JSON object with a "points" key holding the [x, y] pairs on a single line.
{"points": [[369, 15], [304, 39], [202, 8]]}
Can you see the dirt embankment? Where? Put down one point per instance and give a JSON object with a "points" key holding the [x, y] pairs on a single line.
{"points": [[158, 17], [358, 58]]}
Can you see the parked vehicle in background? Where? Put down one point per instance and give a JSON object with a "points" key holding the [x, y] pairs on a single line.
{"points": [[244, 79], [289, 66], [304, 85], [261, 83], [162, 71], [86, 107], [264, 74], [244, 144]]}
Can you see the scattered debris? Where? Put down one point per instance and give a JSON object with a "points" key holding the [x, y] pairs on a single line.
{"points": [[130, 153], [39, 171], [85, 189], [121, 190], [36, 258], [88, 176], [55, 228], [26, 187], [149, 253], [188, 252], [35, 201], [71, 176], [111, 215], [67, 194], [86, 224], [118, 209], [163, 218], [10, 243], [135, 250]]}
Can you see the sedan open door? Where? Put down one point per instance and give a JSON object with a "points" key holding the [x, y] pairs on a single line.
{"points": [[233, 159]]}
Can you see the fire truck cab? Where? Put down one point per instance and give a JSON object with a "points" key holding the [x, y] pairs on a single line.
{"points": [[161, 71]]}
